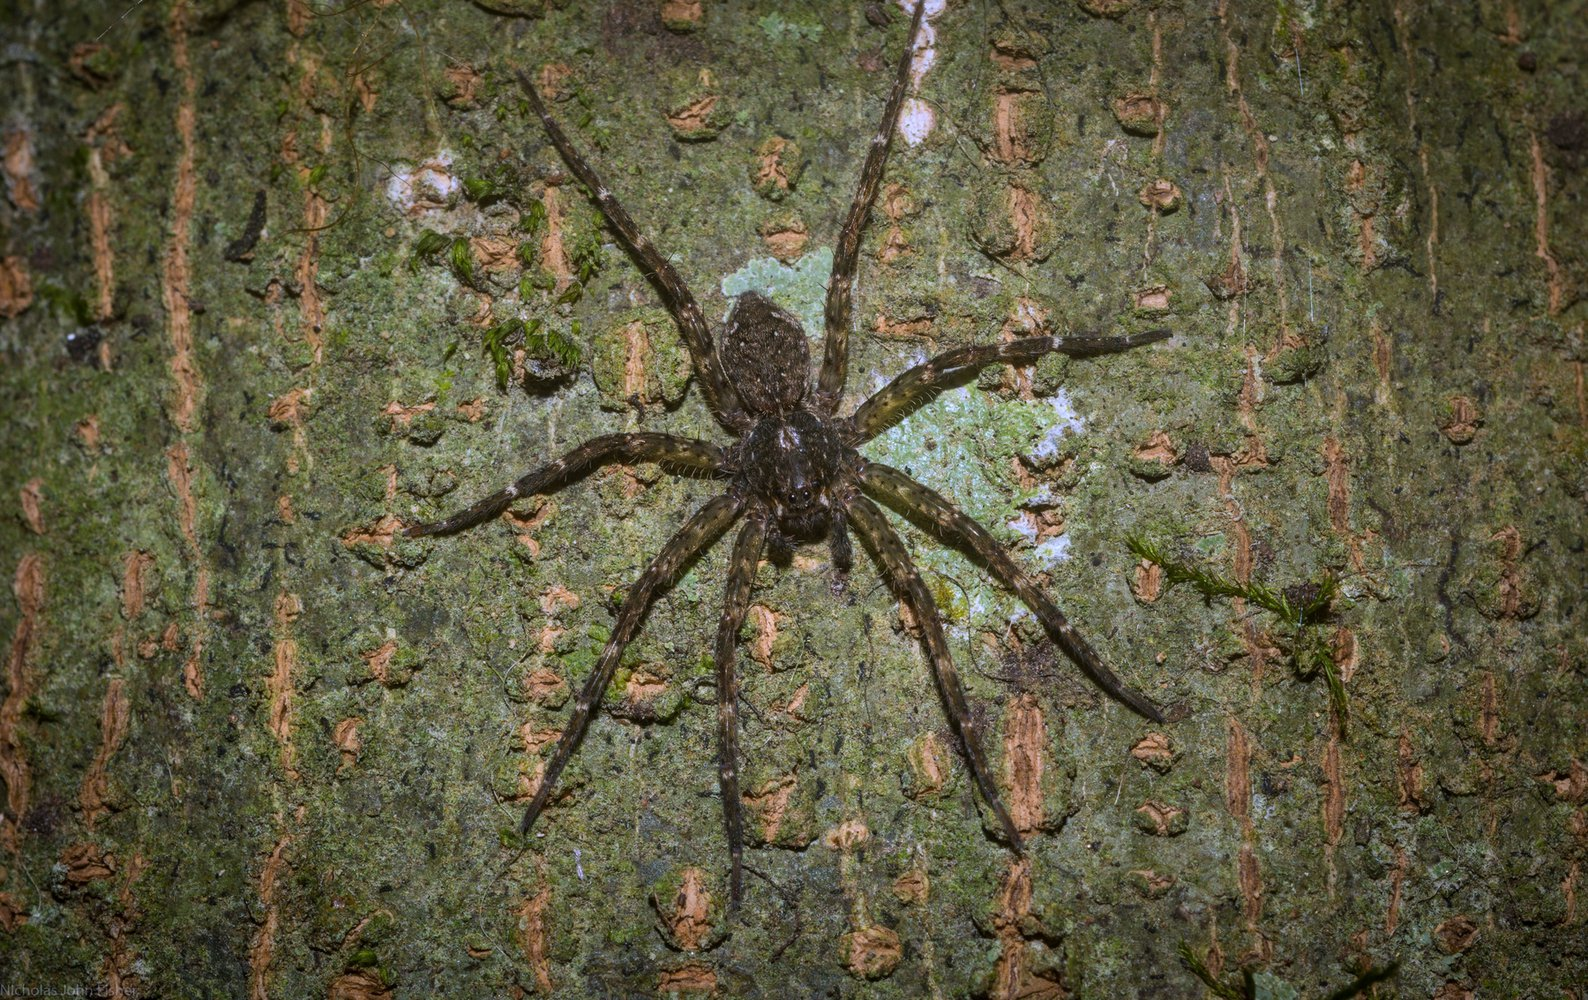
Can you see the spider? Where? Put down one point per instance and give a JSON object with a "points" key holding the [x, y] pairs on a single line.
{"points": [[794, 475]]}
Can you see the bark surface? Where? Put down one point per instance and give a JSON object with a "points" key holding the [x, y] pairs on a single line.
{"points": [[254, 260]]}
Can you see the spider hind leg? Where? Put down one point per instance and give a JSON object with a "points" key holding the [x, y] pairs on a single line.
{"points": [[900, 571]]}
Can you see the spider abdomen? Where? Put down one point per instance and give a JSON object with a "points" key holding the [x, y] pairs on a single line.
{"points": [[765, 356]]}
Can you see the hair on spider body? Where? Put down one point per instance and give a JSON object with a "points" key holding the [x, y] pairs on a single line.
{"points": [[795, 476]]}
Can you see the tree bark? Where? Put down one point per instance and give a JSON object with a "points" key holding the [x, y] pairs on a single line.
{"points": [[256, 743]]}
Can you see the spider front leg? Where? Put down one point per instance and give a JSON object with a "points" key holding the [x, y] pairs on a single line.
{"points": [[691, 540], [919, 502], [741, 577], [884, 543], [840, 285], [917, 386], [664, 448], [720, 395]]}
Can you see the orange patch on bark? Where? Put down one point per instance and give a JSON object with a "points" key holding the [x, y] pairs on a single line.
{"points": [[379, 659], [691, 977], [31, 497], [181, 476], [771, 804], [1158, 448], [682, 12], [690, 916], [785, 240], [1237, 773], [927, 768], [1251, 881], [912, 887], [1153, 299], [1333, 793], [286, 410], [1025, 737], [1409, 772], [847, 836], [1462, 424], [84, 863], [134, 566], [1456, 934], [472, 410], [770, 171], [262, 950], [1025, 212], [114, 717], [28, 585], [88, 431], [871, 952], [765, 621], [1572, 786], [557, 597], [1161, 819], [532, 937], [382, 533], [20, 171], [545, 687], [1154, 751], [358, 984], [1147, 582], [345, 738], [692, 117], [16, 287]]}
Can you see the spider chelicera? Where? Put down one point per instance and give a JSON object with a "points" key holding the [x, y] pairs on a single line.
{"points": [[794, 475]]}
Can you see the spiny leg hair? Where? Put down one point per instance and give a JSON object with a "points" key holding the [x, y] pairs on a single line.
{"points": [[884, 543], [741, 578], [666, 449], [720, 395], [691, 540], [840, 285], [921, 503], [919, 385]]}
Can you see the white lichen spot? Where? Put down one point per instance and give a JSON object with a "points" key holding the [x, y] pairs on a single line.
{"points": [[916, 121], [1023, 527], [1068, 422], [916, 118], [430, 185], [1053, 551]]}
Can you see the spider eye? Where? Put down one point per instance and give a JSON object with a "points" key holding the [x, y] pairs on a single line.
{"points": [[800, 496]]}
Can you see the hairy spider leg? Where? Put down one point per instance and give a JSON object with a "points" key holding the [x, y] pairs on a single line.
{"points": [[741, 578], [917, 386], [921, 503], [667, 449], [692, 539], [840, 285], [884, 543], [720, 395]]}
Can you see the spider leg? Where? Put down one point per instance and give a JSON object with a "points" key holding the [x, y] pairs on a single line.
{"points": [[884, 543], [741, 577], [665, 448], [679, 300], [840, 286], [691, 540], [915, 387], [920, 502]]}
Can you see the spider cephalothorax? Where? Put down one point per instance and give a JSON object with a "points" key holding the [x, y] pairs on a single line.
{"points": [[795, 475]]}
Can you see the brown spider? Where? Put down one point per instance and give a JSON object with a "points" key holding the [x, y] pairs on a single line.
{"points": [[794, 475]]}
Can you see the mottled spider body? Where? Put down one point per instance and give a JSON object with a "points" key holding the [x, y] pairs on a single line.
{"points": [[795, 475]]}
